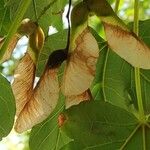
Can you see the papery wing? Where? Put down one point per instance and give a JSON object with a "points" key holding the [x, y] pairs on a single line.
{"points": [[11, 47], [128, 46], [42, 102], [80, 69], [23, 82], [76, 99]]}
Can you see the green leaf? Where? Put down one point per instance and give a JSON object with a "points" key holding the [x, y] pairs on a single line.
{"points": [[96, 87], [117, 80], [144, 34], [112, 81], [48, 13], [47, 136], [7, 107], [5, 20], [73, 145], [99, 125]]}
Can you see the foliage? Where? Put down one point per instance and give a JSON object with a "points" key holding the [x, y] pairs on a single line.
{"points": [[112, 119], [7, 105]]}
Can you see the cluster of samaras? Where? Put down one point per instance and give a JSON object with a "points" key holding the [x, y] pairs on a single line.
{"points": [[34, 104]]}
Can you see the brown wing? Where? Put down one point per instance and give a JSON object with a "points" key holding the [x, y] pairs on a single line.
{"points": [[23, 82], [76, 99], [80, 69], [128, 46], [42, 102], [10, 47]]}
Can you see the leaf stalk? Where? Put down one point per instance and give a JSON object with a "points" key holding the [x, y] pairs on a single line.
{"points": [[137, 70], [117, 5]]}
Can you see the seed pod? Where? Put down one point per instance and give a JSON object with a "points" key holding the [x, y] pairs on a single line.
{"points": [[81, 64], [128, 46], [42, 102], [81, 67], [36, 42], [25, 72], [56, 58], [27, 27]]}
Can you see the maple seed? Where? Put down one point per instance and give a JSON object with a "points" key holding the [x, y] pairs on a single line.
{"points": [[82, 58], [61, 119], [81, 66], [23, 82], [41, 103], [128, 46]]}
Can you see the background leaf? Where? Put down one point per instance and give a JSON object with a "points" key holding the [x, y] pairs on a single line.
{"points": [[90, 125], [45, 12], [5, 18], [50, 13], [7, 107]]}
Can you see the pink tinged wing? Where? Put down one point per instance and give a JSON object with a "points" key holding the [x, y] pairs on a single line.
{"points": [[81, 66], [42, 102], [128, 46], [23, 82]]}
